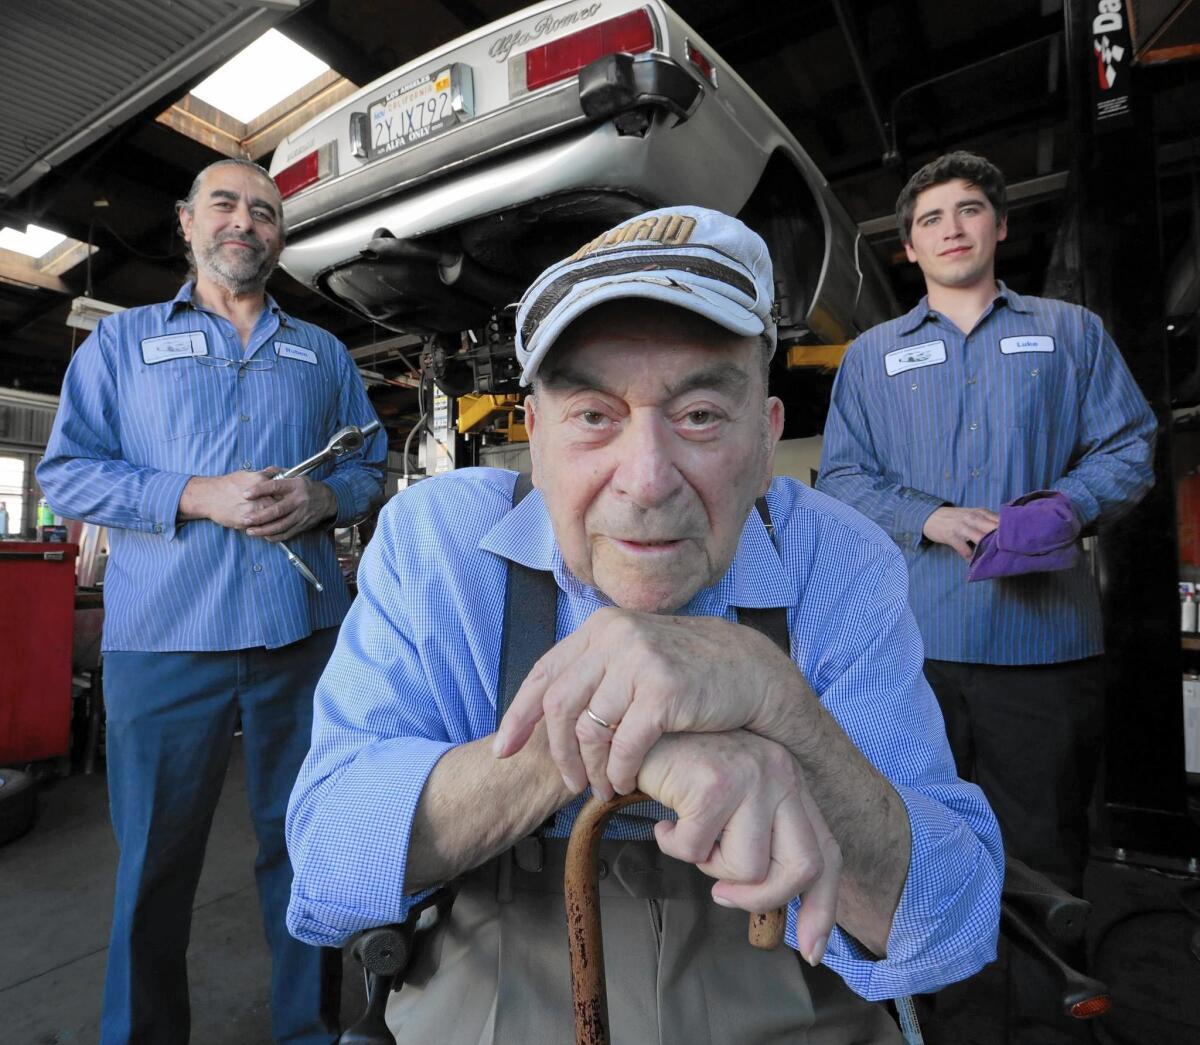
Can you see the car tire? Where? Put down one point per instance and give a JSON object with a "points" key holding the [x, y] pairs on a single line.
{"points": [[18, 803]]}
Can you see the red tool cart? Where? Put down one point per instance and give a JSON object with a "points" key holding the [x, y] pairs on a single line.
{"points": [[37, 622]]}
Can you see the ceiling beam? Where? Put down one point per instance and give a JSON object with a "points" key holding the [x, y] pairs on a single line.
{"points": [[1021, 194], [223, 39], [21, 271]]}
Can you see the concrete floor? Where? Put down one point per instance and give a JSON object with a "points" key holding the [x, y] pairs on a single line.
{"points": [[55, 905]]}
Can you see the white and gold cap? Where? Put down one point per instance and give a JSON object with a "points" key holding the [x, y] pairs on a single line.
{"points": [[691, 257]]}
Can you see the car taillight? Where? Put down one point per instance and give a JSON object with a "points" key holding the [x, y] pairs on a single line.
{"points": [[317, 165], [549, 63], [1094, 1006], [700, 60]]}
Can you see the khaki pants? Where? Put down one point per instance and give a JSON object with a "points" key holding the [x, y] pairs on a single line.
{"points": [[680, 970]]}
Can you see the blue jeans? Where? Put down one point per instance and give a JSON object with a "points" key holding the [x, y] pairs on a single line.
{"points": [[171, 719]]}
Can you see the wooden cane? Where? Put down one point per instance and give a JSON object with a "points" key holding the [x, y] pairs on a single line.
{"points": [[581, 886]]}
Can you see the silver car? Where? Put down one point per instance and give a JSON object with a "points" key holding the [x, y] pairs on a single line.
{"points": [[427, 201]]}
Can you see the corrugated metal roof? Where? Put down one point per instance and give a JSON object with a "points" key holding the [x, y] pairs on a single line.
{"points": [[73, 70]]}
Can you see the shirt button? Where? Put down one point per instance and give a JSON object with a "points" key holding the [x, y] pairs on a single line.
{"points": [[914, 386], [972, 380], [974, 473], [973, 425], [258, 567], [246, 464], [1033, 373], [245, 417], [158, 527], [945, 475]]}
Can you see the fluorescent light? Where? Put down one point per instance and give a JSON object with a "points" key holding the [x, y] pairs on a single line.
{"points": [[86, 313], [33, 242], [259, 77]]}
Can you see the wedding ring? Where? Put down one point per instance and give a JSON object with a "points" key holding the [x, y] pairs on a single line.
{"points": [[598, 720]]}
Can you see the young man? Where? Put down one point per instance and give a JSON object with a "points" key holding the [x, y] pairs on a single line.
{"points": [[940, 420], [171, 415], [812, 773]]}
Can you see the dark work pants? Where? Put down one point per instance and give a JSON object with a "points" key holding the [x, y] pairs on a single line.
{"points": [[171, 720], [1031, 737]]}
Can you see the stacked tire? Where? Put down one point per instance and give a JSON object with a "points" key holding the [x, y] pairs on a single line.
{"points": [[18, 799]]}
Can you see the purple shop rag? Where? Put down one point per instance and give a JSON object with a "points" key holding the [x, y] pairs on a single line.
{"points": [[1037, 534]]}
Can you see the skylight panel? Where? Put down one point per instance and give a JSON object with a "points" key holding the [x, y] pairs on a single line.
{"points": [[34, 242], [259, 77]]}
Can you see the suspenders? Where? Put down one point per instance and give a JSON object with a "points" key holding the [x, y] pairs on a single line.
{"points": [[530, 611], [770, 621]]}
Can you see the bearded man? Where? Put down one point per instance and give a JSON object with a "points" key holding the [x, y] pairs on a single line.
{"points": [[172, 421]]}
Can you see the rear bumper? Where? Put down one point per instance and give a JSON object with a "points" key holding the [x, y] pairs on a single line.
{"points": [[657, 170], [604, 89], [476, 141]]}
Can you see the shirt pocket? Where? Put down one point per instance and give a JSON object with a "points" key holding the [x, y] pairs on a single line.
{"points": [[913, 431], [185, 398], [922, 407], [304, 398], [1025, 387]]}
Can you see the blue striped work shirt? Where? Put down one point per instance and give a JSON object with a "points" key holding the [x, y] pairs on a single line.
{"points": [[139, 417], [415, 671], [1036, 397]]}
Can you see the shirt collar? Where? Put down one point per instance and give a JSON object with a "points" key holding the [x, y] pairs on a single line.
{"points": [[910, 321], [914, 318], [1017, 302], [183, 301], [525, 535], [756, 578]]}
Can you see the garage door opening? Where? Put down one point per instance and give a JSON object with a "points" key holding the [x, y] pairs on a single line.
{"points": [[12, 496]]}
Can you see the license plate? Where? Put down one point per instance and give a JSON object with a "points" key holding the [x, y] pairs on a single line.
{"points": [[421, 109]]}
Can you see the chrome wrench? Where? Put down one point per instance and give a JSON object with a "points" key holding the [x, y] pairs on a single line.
{"points": [[344, 441]]}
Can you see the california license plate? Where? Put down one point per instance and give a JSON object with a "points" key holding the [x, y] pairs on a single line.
{"points": [[421, 109]]}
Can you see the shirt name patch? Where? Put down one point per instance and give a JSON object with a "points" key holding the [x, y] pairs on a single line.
{"points": [[914, 356], [174, 346], [282, 348], [1029, 343]]}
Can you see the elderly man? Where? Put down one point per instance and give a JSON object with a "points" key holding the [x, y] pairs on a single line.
{"points": [[815, 775], [172, 417]]}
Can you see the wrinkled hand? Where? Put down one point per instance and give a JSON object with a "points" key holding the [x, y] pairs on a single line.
{"points": [[747, 819], [646, 675], [960, 528], [221, 498], [281, 508]]}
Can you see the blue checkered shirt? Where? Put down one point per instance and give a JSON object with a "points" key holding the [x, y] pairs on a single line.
{"points": [[415, 673], [139, 417], [1036, 397]]}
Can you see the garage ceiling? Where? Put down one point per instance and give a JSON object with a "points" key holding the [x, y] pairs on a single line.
{"points": [[76, 70], [871, 88]]}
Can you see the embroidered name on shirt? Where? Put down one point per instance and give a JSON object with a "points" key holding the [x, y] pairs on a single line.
{"points": [[282, 348], [1029, 343], [914, 356], [174, 346]]}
